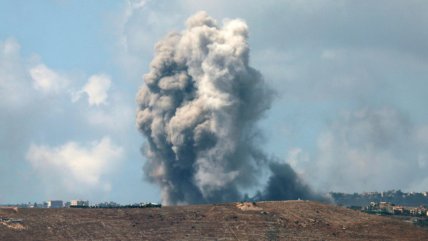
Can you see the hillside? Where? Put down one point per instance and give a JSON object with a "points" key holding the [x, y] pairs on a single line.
{"points": [[286, 220]]}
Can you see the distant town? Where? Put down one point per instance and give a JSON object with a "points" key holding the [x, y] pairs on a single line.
{"points": [[79, 204], [354, 200], [393, 196], [411, 206]]}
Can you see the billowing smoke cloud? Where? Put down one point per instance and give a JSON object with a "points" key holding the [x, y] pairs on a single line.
{"points": [[198, 110]]}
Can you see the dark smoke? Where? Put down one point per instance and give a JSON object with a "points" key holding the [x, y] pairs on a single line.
{"points": [[198, 110], [284, 184]]}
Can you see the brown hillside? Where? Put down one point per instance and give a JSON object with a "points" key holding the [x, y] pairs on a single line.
{"points": [[287, 220]]}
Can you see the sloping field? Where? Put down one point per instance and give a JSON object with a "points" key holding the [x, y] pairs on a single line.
{"points": [[287, 220]]}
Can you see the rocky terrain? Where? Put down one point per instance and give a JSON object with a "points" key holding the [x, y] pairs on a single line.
{"points": [[285, 220]]}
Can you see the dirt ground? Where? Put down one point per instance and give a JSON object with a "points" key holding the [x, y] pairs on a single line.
{"points": [[286, 220]]}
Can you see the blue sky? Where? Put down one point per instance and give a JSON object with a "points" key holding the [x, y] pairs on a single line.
{"points": [[350, 76]]}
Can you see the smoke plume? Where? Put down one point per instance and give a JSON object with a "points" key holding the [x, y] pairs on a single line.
{"points": [[198, 110]]}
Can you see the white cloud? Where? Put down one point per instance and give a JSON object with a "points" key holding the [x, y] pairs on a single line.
{"points": [[96, 89], [136, 4], [47, 80], [76, 167], [119, 117], [10, 47], [35, 105], [14, 82]]}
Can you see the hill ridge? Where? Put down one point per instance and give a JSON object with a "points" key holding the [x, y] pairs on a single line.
{"points": [[271, 220]]}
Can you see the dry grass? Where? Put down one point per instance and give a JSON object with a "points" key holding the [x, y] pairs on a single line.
{"points": [[288, 220]]}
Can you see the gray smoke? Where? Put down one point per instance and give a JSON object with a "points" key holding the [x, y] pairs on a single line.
{"points": [[198, 110]]}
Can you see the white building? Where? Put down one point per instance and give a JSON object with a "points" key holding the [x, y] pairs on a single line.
{"points": [[55, 204], [79, 203]]}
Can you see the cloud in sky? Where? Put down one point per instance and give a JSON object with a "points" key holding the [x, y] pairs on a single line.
{"points": [[136, 4], [30, 90], [16, 97], [14, 81], [140, 25], [118, 118], [47, 80], [77, 167], [96, 89]]}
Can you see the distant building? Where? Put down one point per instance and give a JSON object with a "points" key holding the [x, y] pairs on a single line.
{"points": [[55, 204], [107, 205], [386, 207], [418, 211], [79, 203], [398, 210]]}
